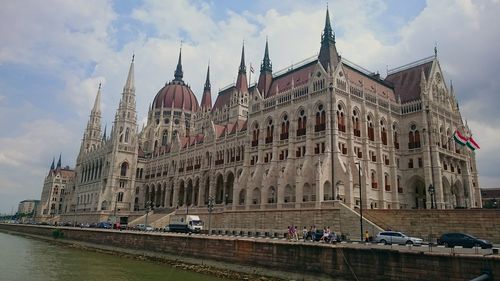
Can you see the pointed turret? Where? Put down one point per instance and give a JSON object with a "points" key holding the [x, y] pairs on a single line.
{"points": [[59, 162], [97, 102], [52, 167], [130, 85], [328, 53], [241, 81], [206, 99], [104, 134], [266, 73], [178, 70]]}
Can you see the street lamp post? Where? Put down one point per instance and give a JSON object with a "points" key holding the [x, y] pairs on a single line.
{"points": [[211, 200], [432, 191], [148, 208], [114, 211], [360, 202]]}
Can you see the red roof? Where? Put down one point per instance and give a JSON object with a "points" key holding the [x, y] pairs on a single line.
{"points": [[370, 84], [219, 130], [300, 77], [407, 81], [223, 98], [176, 95]]}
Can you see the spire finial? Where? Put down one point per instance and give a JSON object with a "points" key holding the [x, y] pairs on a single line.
{"points": [[178, 71], [243, 68], [99, 86], [266, 62], [97, 101], [435, 50], [52, 166], [59, 161], [129, 84]]}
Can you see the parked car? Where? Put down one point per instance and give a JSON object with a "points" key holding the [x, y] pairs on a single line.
{"points": [[143, 227], [395, 237], [464, 240], [332, 238], [104, 224]]}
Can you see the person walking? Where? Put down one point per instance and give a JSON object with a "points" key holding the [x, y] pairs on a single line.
{"points": [[304, 233], [367, 236], [313, 233]]}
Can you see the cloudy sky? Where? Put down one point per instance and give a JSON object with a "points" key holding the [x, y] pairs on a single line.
{"points": [[54, 53]]}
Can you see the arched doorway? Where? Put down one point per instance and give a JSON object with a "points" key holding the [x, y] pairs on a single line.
{"points": [[256, 196], [327, 191], [289, 194], [271, 195], [180, 197], [219, 189], [228, 192], [449, 201], [420, 195], [242, 197], [189, 193]]}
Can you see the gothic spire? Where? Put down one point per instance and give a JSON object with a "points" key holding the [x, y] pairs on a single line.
{"points": [[206, 99], [130, 85], [52, 167], [266, 76], [243, 68], [97, 101], [178, 71], [266, 62], [328, 53], [241, 81], [207, 81], [59, 161]]}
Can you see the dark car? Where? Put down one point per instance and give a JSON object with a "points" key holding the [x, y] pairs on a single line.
{"points": [[319, 233], [464, 240], [104, 224]]}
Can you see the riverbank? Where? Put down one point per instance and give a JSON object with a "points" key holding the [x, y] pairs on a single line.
{"points": [[214, 268], [281, 259]]}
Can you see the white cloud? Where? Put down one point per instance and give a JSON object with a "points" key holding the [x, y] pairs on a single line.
{"points": [[77, 42]]}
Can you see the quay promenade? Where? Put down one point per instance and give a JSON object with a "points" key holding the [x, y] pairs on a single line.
{"points": [[276, 256]]}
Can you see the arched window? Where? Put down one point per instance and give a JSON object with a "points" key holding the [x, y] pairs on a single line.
{"points": [[120, 197], [340, 118], [371, 134], [121, 134], [386, 182], [123, 169], [355, 123], [164, 138], [255, 135], [374, 180], [413, 137], [285, 126], [127, 134], [395, 136], [320, 119], [269, 131], [301, 122], [383, 132]]}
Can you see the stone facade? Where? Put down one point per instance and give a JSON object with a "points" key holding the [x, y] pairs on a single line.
{"points": [[295, 139], [27, 206]]}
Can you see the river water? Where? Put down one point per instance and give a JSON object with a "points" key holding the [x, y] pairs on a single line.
{"points": [[25, 259]]}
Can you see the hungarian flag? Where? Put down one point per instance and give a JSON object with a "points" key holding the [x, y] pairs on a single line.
{"points": [[472, 144], [459, 138]]}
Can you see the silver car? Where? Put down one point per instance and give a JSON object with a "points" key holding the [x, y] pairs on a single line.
{"points": [[394, 237]]}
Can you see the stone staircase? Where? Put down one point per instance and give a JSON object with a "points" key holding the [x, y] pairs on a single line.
{"points": [[156, 220]]}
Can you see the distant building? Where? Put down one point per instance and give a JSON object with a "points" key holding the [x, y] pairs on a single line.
{"points": [[27, 206], [54, 190], [490, 197], [293, 140]]}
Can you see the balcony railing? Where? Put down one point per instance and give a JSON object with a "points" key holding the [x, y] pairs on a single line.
{"points": [[319, 127], [269, 140], [374, 185], [301, 132], [357, 132], [284, 136], [255, 143]]}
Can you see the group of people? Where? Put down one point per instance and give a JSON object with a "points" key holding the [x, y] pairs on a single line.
{"points": [[313, 234]]}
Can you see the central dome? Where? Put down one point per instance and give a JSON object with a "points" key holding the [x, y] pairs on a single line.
{"points": [[176, 95]]}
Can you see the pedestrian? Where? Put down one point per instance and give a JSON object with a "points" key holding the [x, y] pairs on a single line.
{"points": [[304, 233], [289, 234], [295, 233], [313, 233], [367, 236]]}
